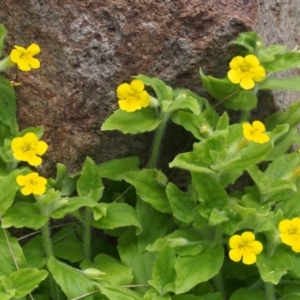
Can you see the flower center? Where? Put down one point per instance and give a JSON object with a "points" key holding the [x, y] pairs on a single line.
{"points": [[33, 182], [293, 231]]}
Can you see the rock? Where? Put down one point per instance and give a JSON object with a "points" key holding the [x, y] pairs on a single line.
{"points": [[278, 23], [89, 47]]}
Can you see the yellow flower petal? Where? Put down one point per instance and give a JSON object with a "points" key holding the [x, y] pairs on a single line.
{"points": [[34, 160], [235, 255], [21, 180], [144, 99], [247, 237], [260, 138], [123, 91], [30, 138], [23, 65], [258, 74], [257, 247], [34, 63], [137, 86], [236, 62], [16, 143], [249, 258], [27, 190], [235, 241], [259, 126], [41, 147], [247, 83], [14, 56], [129, 105], [34, 49], [296, 246], [247, 131], [251, 60], [234, 76]]}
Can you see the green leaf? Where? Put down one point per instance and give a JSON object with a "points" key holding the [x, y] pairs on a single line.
{"points": [[182, 101], [8, 106], [114, 292], [24, 215], [283, 62], [141, 263], [117, 168], [191, 270], [150, 185], [209, 191], [246, 294], [283, 84], [164, 275], [64, 183], [197, 125], [182, 204], [273, 268], [34, 252], [183, 242], [209, 296], [193, 162], [243, 100], [151, 230], [3, 33], [64, 240], [65, 206], [117, 215], [229, 94], [132, 122], [7, 261], [26, 280], [38, 131], [266, 55], [247, 40], [72, 281], [152, 294], [163, 91], [115, 273], [89, 183], [8, 189]]}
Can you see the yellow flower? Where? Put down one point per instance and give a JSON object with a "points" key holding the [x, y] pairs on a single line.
{"points": [[33, 184], [246, 71], [132, 97], [255, 132], [290, 233], [27, 148], [244, 247], [24, 58]]}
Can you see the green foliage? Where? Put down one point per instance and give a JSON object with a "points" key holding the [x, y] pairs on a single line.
{"points": [[8, 105], [119, 230]]}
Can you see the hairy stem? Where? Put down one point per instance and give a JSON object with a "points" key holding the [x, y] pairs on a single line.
{"points": [[87, 234], [157, 142], [55, 293], [245, 114], [269, 291]]}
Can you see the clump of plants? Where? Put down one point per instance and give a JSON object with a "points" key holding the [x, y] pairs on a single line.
{"points": [[214, 240]]}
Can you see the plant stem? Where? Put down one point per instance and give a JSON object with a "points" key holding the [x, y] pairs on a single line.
{"points": [[6, 63], [157, 142], [87, 235], [49, 252], [269, 291], [245, 114]]}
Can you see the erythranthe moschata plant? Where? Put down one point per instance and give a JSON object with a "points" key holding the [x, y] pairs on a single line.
{"points": [[232, 233]]}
